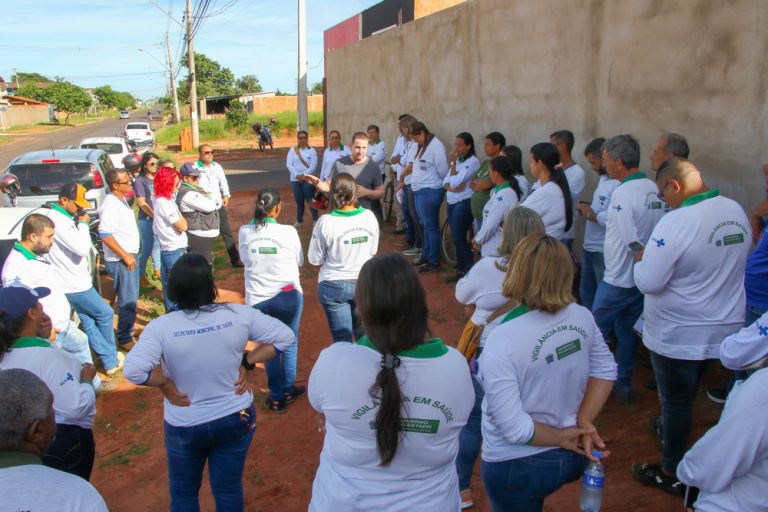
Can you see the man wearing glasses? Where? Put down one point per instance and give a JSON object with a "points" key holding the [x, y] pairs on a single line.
{"points": [[213, 180], [200, 210], [120, 236]]}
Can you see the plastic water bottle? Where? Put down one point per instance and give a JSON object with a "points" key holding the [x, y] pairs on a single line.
{"points": [[592, 485]]}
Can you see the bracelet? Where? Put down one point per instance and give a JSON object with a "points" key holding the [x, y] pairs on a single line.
{"points": [[245, 364]]}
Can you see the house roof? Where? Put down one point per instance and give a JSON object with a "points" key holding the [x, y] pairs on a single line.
{"points": [[22, 100]]}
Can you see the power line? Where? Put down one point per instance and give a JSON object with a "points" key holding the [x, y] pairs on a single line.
{"points": [[77, 48], [82, 77]]}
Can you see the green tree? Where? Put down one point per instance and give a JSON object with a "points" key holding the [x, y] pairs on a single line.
{"points": [[248, 83], [237, 116], [32, 91], [124, 100], [68, 98], [212, 79], [278, 92], [106, 96], [29, 77], [317, 88]]}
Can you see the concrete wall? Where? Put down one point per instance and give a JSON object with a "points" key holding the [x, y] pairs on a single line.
{"points": [[275, 104], [596, 67], [26, 114]]}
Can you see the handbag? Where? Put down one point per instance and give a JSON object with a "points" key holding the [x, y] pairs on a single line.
{"points": [[470, 336]]}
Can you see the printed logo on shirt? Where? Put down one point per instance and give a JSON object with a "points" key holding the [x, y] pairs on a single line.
{"points": [[359, 240], [68, 378], [420, 426], [762, 329], [654, 205], [420, 400], [618, 208], [735, 238], [658, 241], [738, 238], [569, 348], [563, 350], [266, 250]]}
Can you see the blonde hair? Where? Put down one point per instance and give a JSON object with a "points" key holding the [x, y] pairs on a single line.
{"points": [[540, 274], [519, 222]]}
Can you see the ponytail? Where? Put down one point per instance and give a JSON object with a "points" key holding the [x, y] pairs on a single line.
{"points": [[344, 190], [389, 415], [266, 201], [549, 155], [503, 167]]}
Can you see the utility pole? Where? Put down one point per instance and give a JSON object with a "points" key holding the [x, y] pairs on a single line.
{"points": [[192, 79], [301, 93], [173, 80]]}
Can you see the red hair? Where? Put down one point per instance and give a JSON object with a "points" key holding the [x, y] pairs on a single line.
{"points": [[165, 182]]}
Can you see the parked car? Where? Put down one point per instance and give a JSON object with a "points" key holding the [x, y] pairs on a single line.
{"points": [[138, 132], [124, 114], [116, 147]]}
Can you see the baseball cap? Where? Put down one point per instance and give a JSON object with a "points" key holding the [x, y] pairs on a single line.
{"points": [[75, 192], [16, 299], [189, 169]]}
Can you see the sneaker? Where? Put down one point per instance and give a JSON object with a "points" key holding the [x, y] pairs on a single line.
{"points": [[413, 251], [623, 397], [289, 397], [276, 405], [419, 262], [112, 372], [466, 499], [429, 268], [717, 395], [157, 274], [298, 224], [653, 476], [107, 385], [455, 278]]}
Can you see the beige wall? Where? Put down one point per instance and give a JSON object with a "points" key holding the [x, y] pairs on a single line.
{"points": [[596, 67], [423, 8], [275, 104], [26, 114]]}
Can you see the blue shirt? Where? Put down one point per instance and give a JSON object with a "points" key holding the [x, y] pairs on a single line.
{"points": [[756, 278]]}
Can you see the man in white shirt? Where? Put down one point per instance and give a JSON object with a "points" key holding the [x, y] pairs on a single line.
{"points": [[120, 234], [69, 257], [670, 145], [574, 174], [27, 429], [631, 216], [214, 181], [377, 148], [395, 170], [692, 274]]}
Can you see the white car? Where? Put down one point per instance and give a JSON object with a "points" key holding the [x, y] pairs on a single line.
{"points": [[138, 132], [115, 147], [124, 114]]}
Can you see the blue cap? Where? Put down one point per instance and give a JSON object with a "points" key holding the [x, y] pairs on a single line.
{"points": [[189, 169], [16, 299], [596, 454]]}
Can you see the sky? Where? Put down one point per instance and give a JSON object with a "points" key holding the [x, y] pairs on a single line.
{"points": [[96, 42]]}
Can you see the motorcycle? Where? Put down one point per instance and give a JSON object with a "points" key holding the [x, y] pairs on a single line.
{"points": [[263, 136]]}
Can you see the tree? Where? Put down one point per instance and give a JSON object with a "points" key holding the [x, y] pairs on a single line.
{"points": [[29, 77], [212, 79], [317, 88], [237, 116], [278, 92], [68, 98], [110, 98], [31, 91], [248, 83]]}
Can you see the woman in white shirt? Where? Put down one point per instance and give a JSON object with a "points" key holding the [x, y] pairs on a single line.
{"points": [[333, 152], [462, 166], [552, 200], [200, 209], [197, 357], [169, 225], [515, 157], [429, 168], [342, 242], [394, 404], [504, 195], [301, 160], [272, 256], [481, 289], [544, 391]]}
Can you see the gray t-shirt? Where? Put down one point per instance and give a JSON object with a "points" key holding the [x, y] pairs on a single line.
{"points": [[366, 175]]}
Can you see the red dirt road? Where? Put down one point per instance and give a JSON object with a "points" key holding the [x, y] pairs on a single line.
{"points": [[130, 470]]}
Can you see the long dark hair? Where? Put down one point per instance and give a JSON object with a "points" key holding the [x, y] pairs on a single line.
{"points": [[145, 158], [344, 190], [386, 282], [266, 201], [9, 331], [501, 165], [515, 156], [419, 127], [548, 154], [469, 141], [190, 284]]}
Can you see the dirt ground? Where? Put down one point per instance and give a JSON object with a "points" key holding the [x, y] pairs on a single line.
{"points": [[130, 470]]}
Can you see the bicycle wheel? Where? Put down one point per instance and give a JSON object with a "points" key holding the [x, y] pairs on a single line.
{"points": [[388, 200], [448, 249]]}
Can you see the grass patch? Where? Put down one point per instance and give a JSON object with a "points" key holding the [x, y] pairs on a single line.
{"points": [[154, 307], [139, 448], [44, 127], [140, 405], [124, 458], [437, 316]]}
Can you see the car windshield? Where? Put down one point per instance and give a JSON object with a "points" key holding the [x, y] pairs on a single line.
{"points": [[136, 127], [111, 148], [48, 178]]}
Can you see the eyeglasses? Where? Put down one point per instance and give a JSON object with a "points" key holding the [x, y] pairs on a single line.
{"points": [[122, 183], [194, 178], [660, 195], [303, 137], [151, 164], [207, 152]]}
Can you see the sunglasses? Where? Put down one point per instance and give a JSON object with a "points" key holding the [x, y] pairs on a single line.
{"points": [[152, 164], [207, 152], [122, 183]]}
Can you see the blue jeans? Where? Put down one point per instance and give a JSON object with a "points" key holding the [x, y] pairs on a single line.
{"points": [[460, 219], [414, 234], [281, 370], [168, 259], [303, 193], [616, 310], [73, 340], [470, 437], [338, 301], [224, 444], [149, 246], [752, 314], [127, 290], [678, 380], [97, 318], [428, 202], [592, 270], [73, 450], [522, 484]]}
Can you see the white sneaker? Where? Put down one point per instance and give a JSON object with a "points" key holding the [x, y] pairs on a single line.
{"points": [[298, 224], [466, 499]]}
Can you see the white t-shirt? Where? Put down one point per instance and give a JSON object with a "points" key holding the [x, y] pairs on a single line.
{"points": [[201, 352], [411, 148], [272, 256], [575, 177], [399, 150], [166, 213], [747, 346], [342, 242], [33, 487], [594, 232], [482, 287], [195, 201], [548, 202], [729, 464], [116, 219], [295, 167], [74, 402], [525, 187], [489, 237], [69, 253], [634, 210], [465, 171], [535, 367], [24, 267], [692, 275], [430, 168], [213, 180], [378, 153], [435, 381], [330, 156]]}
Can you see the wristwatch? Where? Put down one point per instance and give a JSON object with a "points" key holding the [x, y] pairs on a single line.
{"points": [[245, 364]]}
